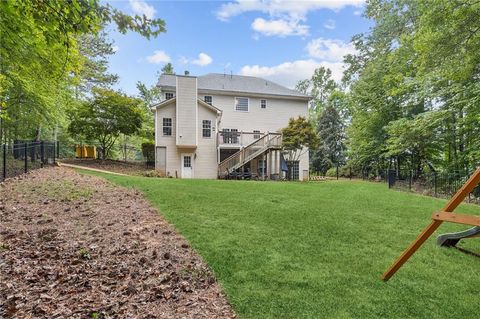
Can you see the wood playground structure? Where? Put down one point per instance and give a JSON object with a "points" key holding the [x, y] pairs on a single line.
{"points": [[446, 215]]}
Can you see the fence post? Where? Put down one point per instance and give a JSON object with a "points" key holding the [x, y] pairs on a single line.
{"points": [[42, 153], [54, 152], [4, 161], [410, 181], [350, 173], [337, 171], [25, 145], [58, 149], [435, 183]]}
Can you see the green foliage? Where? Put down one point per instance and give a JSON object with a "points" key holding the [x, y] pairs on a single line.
{"points": [[168, 69], [414, 89], [51, 52], [331, 132], [148, 151], [298, 137], [105, 116]]}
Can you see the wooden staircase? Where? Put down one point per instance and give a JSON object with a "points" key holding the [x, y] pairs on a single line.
{"points": [[269, 141]]}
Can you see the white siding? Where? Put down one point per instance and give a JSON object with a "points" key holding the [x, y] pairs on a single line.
{"points": [[273, 118], [187, 121], [206, 153], [186, 111], [173, 159]]}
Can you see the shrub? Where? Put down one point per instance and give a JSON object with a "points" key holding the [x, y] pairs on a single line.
{"points": [[148, 151]]}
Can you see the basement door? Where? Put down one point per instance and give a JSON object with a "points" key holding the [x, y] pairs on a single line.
{"points": [[187, 165], [161, 159]]}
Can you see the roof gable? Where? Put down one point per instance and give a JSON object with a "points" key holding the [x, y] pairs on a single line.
{"points": [[199, 102]]}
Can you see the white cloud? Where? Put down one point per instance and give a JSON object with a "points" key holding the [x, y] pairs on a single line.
{"points": [[158, 57], [329, 24], [289, 73], [279, 27], [140, 7], [203, 59], [294, 9], [358, 12], [329, 49], [115, 48], [328, 53]]}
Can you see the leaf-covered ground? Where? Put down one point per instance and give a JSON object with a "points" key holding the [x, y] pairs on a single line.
{"points": [[74, 246]]}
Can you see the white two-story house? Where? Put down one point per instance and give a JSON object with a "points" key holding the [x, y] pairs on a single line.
{"points": [[226, 126]]}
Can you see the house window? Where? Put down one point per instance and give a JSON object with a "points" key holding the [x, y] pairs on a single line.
{"points": [[257, 135], [293, 170], [263, 104], [241, 104], [168, 95], [187, 161], [207, 99], [167, 126], [207, 128]]}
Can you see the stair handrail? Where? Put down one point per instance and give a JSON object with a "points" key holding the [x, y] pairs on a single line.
{"points": [[238, 155]]}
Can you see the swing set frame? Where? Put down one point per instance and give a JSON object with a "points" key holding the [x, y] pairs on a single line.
{"points": [[446, 215]]}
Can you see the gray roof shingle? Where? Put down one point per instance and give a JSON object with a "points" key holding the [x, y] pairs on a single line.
{"points": [[235, 83]]}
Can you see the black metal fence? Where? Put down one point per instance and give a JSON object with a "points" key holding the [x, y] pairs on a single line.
{"points": [[21, 157], [437, 184]]}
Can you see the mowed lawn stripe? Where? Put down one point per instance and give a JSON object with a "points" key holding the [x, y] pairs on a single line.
{"points": [[313, 250]]}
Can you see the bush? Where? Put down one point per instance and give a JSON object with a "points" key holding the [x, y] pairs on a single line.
{"points": [[148, 151], [343, 171], [331, 172]]}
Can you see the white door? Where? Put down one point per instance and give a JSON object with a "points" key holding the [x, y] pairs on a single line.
{"points": [[187, 165]]}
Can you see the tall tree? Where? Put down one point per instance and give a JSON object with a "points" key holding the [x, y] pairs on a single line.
{"points": [[168, 69], [331, 132], [105, 116], [39, 52], [298, 137]]}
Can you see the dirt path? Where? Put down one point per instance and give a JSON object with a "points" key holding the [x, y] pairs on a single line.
{"points": [[74, 246], [111, 166], [89, 169]]}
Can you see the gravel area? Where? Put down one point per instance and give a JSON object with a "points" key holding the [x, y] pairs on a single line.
{"points": [[75, 246]]}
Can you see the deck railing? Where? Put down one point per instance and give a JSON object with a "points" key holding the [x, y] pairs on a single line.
{"points": [[249, 152], [237, 138]]}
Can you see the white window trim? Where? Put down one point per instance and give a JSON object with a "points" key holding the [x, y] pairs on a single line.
{"points": [[266, 103], [235, 103], [211, 98], [171, 127], [211, 131]]}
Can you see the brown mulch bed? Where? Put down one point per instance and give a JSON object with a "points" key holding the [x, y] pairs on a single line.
{"points": [[128, 168], [75, 246]]}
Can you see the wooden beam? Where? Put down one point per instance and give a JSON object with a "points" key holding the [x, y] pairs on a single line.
{"points": [[459, 196], [457, 218], [424, 235]]}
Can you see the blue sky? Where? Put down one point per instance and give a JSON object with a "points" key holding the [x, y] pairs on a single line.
{"points": [[283, 41]]}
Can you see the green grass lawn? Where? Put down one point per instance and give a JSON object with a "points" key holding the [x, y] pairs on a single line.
{"points": [[317, 250]]}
